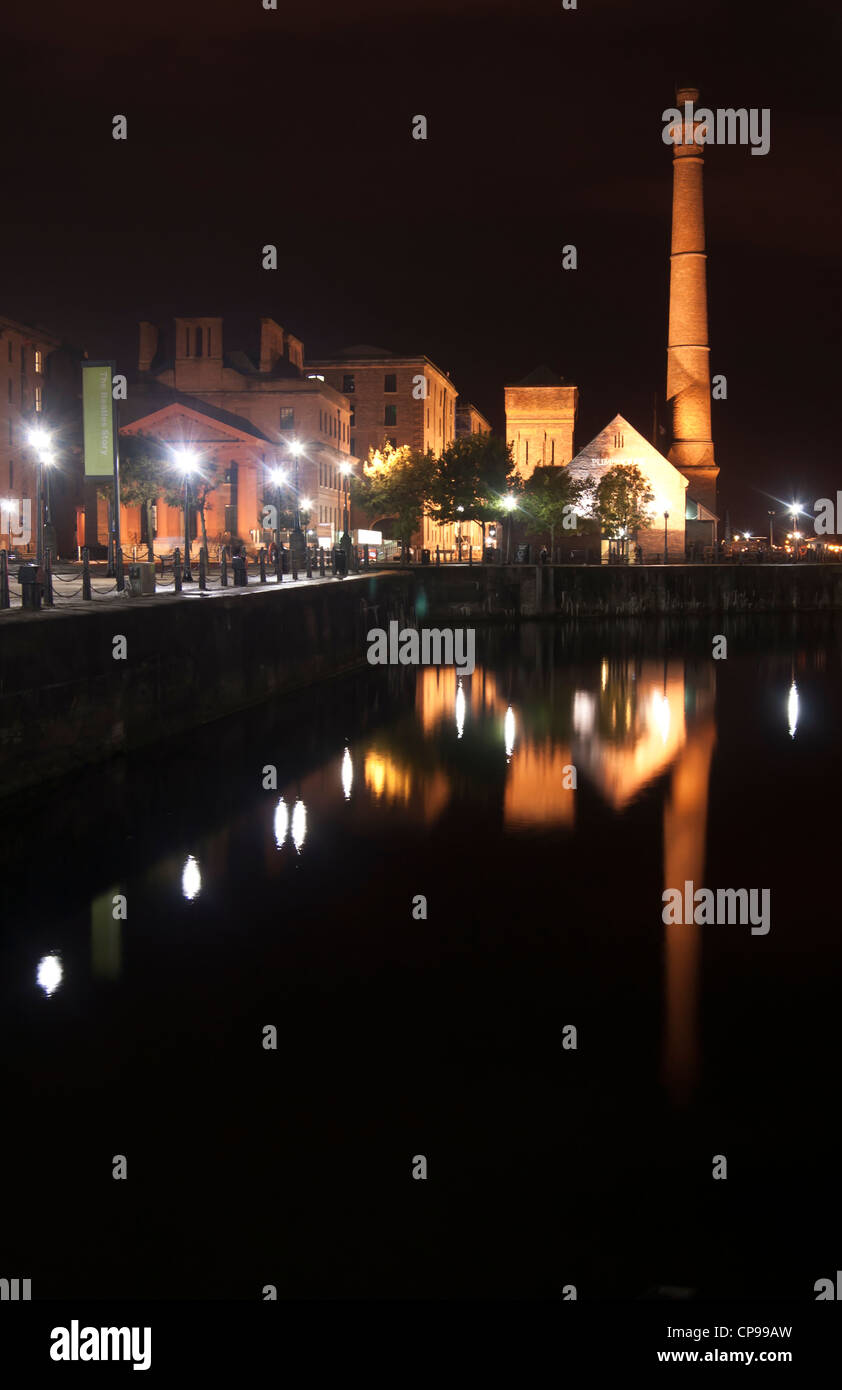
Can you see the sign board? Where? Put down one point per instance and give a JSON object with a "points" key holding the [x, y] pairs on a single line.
{"points": [[369, 538], [98, 419]]}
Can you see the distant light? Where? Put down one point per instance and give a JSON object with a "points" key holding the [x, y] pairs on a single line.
{"points": [[38, 437], [50, 974], [299, 824], [306, 503], [191, 879], [509, 503], [186, 459], [347, 774], [295, 447], [278, 476], [460, 710], [346, 468], [792, 709], [281, 823], [509, 731]]}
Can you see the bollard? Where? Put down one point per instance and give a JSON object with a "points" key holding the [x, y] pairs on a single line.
{"points": [[279, 564], [366, 562], [48, 579], [5, 600], [121, 578], [86, 572], [176, 569], [309, 563], [438, 556], [261, 560], [203, 568], [470, 556], [223, 569], [321, 562], [294, 561]]}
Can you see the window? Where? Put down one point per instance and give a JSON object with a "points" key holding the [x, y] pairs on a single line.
{"points": [[39, 361], [353, 416], [527, 451], [23, 361], [552, 452], [321, 430], [390, 381], [353, 445], [198, 342], [393, 441], [187, 342], [38, 399], [428, 417], [287, 417], [391, 415], [209, 342], [315, 376], [348, 385]]}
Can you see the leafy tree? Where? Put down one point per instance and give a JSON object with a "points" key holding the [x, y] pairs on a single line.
{"points": [[395, 483], [623, 501], [145, 474], [470, 479], [550, 500]]}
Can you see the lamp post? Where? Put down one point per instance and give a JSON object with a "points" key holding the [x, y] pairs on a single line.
{"points": [[666, 541], [345, 471], [509, 504], [794, 509], [297, 542], [771, 529], [187, 461], [279, 478], [39, 442]]}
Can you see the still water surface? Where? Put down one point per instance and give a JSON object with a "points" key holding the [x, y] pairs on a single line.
{"points": [[441, 1037]]}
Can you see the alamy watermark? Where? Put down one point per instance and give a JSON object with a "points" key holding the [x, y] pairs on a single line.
{"points": [[428, 647], [724, 126], [721, 906]]}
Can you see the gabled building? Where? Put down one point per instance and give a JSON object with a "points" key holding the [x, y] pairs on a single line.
{"points": [[620, 444]]}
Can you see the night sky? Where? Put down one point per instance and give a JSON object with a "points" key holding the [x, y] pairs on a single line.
{"points": [[249, 126]]}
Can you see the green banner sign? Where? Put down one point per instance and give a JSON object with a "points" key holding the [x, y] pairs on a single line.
{"points": [[98, 419]]}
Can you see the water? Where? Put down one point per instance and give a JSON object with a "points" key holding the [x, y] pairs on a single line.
{"points": [[442, 1037]]}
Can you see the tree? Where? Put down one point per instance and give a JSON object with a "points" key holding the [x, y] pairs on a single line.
{"points": [[208, 481], [395, 483], [551, 497], [470, 479], [624, 501], [145, 474]]}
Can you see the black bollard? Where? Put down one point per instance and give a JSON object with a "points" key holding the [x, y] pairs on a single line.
{"points": [[203, 568], [470, 555], [86, 573], [309, 563], [294, 561], [261, 560], [438, 556], [176, 569], [48, 580], [321, 562], [5, 600], [279, 563], [121, 578], [223, 569]]}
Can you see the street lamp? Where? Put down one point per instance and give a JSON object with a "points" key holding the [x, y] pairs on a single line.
{"points": [[188, 462], [509, 504], [666, 541], [771, 529], [297, 542], [794, 509], [279, 478], [345, 471], [39, 441]]}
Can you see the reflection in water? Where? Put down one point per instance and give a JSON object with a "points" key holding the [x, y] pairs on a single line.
{"points": [[460, 710], [792, 708], [385, 779], [538, 789], [347, 774], [509, 731], [106, 936], [191, 879], [281, 823], [50, 974], [630, 732], [299, 824]]}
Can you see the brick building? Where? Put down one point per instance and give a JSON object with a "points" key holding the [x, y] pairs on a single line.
{"points": [[24, 357], [469, 420], [540, 420], [237, 392]]}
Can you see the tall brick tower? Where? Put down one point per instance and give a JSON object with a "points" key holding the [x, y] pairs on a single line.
{"points": [[688, 354]]}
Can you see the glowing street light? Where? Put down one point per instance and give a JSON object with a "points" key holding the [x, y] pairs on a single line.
{"points": [[509, 504], [298, 543], [794, 508], [187, 461], [49, 974], [191, 879], [280, 478], [345, 471], [39, 441]]}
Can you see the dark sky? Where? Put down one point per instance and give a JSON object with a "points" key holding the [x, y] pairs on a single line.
{"points": [[249, 126]]}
